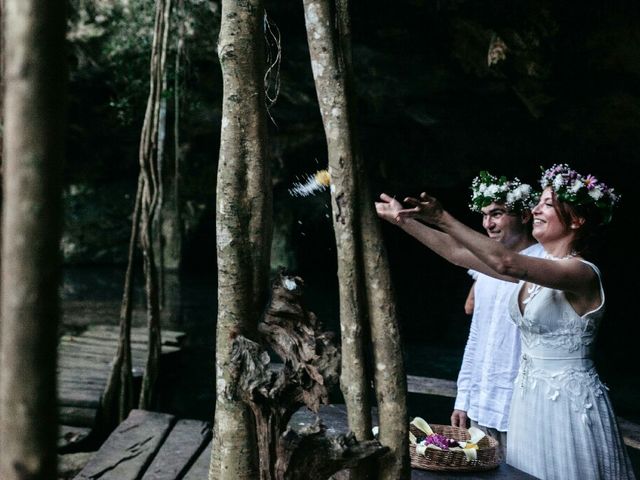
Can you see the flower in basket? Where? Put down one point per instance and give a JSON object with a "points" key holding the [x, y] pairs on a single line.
{"points": [[432, 440]]}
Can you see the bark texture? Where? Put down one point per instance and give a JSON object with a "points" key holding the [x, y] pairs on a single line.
{"points": [[243, 226], [329, 72], [311, 364], [1, 77], [34, 102], [388, 371]]}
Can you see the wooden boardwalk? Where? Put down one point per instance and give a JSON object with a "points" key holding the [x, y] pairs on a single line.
{"points": [[157, 446], [84, 363]]}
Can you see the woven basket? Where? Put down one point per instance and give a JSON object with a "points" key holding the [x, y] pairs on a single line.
{"points": [[441, 460]]}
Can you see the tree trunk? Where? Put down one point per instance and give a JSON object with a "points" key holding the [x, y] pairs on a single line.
{"points": [[243, 225], [150, 187], [117, 399], [1, 78], [35, 97], [329, 75], [389, 373]]}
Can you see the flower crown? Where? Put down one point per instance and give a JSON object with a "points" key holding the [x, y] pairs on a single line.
{"points": [[571, 187], [486, 189]]}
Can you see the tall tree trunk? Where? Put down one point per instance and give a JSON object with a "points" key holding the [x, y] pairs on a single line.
{"points": [[329, 74], [35, 97], [389, 373], [150, 186], [243, 225]]}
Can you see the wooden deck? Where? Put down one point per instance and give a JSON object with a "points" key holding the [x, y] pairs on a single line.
{"points": [[84, 363], [157, 446]]}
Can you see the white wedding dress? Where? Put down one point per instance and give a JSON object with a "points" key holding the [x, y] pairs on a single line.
{"points": [[561, 424]]}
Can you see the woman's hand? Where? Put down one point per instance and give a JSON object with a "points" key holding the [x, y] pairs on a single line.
{"points": [[426, 208]]}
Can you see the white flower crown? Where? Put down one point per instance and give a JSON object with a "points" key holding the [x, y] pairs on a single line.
{"points": [[487, 189]]}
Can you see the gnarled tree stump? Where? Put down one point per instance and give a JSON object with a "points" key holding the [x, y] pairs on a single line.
{"points": [[311, 364]]}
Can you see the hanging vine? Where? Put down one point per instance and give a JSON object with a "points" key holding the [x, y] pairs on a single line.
{"points": [[117, 399]]}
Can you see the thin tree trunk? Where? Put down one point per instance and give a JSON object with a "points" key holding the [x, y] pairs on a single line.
{"points": [[117, 400], [389, 373], [35, 97], [328, 65], [151, 180], [177, 230], [243, 226], [1, 77]]}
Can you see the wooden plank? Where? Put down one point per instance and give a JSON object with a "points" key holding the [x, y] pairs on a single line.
{"points": [[76, 383], [432, 386], [111, 344], [138, 334], [77, 416], [179, 450], [130, 448], [105, 358], [200, 468], [79, 398], [92, 374]]}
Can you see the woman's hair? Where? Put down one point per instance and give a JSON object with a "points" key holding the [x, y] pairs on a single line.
{"points": [[568, 213]]}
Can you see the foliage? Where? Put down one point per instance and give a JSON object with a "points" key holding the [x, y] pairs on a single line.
{"points": [[110, 51]]}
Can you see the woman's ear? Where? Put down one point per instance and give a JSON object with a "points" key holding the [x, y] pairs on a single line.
{"points": [[576, 222]]}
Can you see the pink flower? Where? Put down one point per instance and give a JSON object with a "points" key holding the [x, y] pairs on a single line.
{"points": [[590, 182]]}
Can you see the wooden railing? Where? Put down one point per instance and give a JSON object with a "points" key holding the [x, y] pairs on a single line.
{"points": [[447, 388]]}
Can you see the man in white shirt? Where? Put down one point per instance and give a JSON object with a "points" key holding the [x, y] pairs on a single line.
{"points": [[492, 353]]}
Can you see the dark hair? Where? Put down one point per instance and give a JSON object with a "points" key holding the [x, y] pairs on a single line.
{"points": [[593, 220]]}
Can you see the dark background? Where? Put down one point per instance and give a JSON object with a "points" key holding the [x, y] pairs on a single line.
{"points": [[431, 114]]}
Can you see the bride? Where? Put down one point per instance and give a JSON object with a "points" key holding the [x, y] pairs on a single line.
{"points": [[561, 423]]}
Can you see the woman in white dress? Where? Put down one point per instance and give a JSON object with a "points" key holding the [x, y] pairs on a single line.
{"points": [[561, 425]]}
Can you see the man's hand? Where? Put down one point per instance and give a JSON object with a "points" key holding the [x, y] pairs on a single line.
{"points": [[459, 419], [388, 209], [425, 208]]}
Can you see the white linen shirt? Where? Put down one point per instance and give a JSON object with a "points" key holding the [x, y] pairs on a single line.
{"points": [[492, 354]]}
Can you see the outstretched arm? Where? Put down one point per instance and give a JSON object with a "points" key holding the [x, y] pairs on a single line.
{"points": [[567, 275], [388, 208]]}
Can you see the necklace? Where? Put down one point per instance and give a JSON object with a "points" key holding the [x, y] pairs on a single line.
{"points": [[533, 289], [571, 254]]}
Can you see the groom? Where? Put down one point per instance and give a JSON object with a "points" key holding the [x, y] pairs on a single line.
{"points": [[492, 353]]}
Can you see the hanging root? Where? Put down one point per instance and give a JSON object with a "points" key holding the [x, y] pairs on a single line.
{"points": [[273, 60]]}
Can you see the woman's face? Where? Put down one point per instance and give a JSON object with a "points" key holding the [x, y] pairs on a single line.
{"points": [[547, 225]]}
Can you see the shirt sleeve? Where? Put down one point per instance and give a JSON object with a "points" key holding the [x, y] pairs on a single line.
{"points": [[473, 274], [466, 370]]}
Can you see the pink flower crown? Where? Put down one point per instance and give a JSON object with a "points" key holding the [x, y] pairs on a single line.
{"points": [[572, 187]]}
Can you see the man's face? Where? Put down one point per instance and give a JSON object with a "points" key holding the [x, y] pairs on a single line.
{"points": [[501, 225]]}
